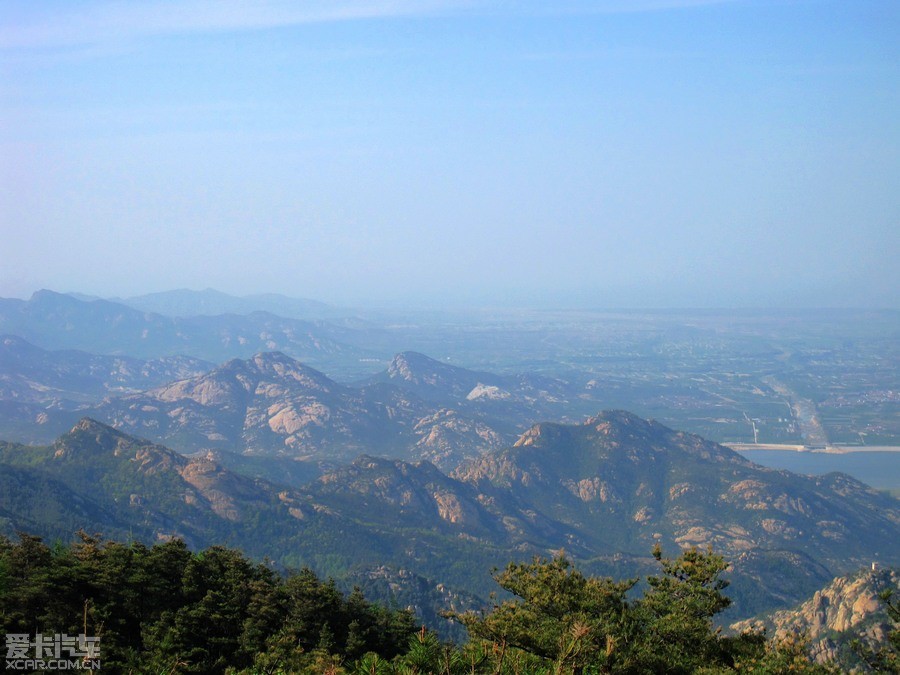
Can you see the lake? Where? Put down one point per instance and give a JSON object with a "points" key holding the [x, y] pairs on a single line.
{"points": [[879, 469]]}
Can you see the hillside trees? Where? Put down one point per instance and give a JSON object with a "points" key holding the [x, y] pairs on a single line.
{"points": [[560, 621], [167, 609]]}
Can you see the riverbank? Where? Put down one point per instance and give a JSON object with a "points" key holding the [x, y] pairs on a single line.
{"points": [[825, 450]]}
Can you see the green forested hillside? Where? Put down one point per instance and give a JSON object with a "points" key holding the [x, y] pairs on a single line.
{"points": [[605, 492], [167, 609]]}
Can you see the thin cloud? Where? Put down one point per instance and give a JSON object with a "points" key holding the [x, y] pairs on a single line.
{"points": [[114, 22], [34, 26]]}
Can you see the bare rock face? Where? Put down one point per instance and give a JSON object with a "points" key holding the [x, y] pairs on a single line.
{"points": [[452, 509], [489, 392], [620, 480], [206, 476], [447, 439], [430, 377], [205, 391], [593, 489], [848, 608], [274, 405]]}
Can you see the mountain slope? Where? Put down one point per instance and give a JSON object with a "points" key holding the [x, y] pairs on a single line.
{"points": [[71, 377], [147, 487], [605, 491], [624, 484], [433, 380], [273, 405], [619, 471], [210, 302], [58, 321], [847, 609], [105, 481], [393, 493], [32, 500]]}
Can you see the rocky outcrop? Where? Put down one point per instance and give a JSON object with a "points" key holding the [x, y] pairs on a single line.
{"points": [[848, 609], [273, 405]]}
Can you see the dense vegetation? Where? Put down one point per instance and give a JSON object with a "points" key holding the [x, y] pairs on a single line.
{"points": [[165, 609]]}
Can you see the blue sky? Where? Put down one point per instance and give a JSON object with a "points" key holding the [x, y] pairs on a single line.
{"points": [[645, 153]]}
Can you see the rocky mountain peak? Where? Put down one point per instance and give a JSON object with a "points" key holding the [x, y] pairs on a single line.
{"points": [[265, 360], [277, 365], [46, 295], [848, 608], [90, 437], [608, 427], [619, 418], [90, 425], [620, 427], [424, 372], [236, 381], [91, 428], [412, 366], [544, 433]]}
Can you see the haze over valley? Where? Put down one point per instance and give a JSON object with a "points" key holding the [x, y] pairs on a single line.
{"points": [[498, 442], [456, 336]]}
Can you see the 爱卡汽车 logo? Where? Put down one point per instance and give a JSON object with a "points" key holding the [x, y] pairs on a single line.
{"points": [[52, 652]]}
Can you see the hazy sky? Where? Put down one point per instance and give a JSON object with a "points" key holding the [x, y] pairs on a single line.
{"points": [[610, 153]]}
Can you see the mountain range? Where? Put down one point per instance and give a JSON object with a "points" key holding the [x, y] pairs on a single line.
{"points": [[274, 406], [210, 302], [58, 321], [42, 391], [69, 378], [605, 491], [433, 380]]}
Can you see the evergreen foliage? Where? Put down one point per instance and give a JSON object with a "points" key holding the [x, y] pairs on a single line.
{"points": [[560, 621], [165, 609]]}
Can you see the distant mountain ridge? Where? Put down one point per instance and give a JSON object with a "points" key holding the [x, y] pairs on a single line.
{"points": [[42, 391], [605, 491], [435, 380], [68, 377], [210, 302], [274, 405], [58, 321], [271, 404]]}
